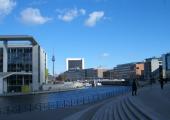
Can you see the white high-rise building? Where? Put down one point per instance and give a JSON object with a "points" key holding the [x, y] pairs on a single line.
{"points": [[74, 64], [23, 64]]}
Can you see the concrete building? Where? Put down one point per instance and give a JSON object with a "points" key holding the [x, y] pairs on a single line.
{"points": [[109, 74], [93, 73], [85, 74], [152, 68], [166, 65], [74, 64], [129, 71], [74, 75], [23, 64]]}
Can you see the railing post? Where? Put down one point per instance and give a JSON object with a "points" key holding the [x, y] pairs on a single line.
{"points": [[64, 103], [30, 108], [83, 100], [56, 104], [71, 103], [77, 101]]}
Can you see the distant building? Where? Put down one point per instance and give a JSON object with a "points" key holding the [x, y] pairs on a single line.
{"points": [[74, 64], [153, 68], [74, 75], [85, 74], [129, 71], [90, 73], [109, 74], [93, 73], [139, 70], [50, 79], [23, 64], [166, 65]]}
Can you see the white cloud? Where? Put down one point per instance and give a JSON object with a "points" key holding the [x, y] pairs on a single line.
{"points": [[33, 16], [105, 55], [67, 15], [82, 11], [6, 7], [94, 17]]}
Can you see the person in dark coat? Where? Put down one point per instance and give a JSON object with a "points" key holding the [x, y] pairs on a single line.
{"points": [[134, 88], [161, 81]]}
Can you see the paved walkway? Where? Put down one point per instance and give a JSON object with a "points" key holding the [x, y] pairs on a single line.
{"points": [[152, 103]]}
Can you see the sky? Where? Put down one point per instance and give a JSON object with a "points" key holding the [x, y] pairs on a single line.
{"points": [[103, 32]]}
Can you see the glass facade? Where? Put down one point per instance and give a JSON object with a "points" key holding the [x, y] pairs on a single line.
{"points": [[20, 59], [1, 59], [16, 82], [168, 62]]}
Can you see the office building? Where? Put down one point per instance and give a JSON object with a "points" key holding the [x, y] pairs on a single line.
{"points": [[166, 65], [109, 74], [74, 75], [129, 71], [74, 64], [93, 73], [152, 68], [23, 64]]}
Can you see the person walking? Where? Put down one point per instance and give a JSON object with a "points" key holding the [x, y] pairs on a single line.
{"points": [[161, 82], [134, 88]]}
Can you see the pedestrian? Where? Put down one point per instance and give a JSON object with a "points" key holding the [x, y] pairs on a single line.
{"points": [[134, 88], [161, 82]]}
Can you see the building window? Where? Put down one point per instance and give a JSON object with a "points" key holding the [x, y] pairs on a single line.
{"points": [[19, 59], [1, 59]]}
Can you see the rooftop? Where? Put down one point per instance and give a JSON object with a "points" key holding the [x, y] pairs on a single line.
{"points": [[18, 38]]}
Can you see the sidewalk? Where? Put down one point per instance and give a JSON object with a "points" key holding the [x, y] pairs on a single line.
{"points": [[156, 99], [151, 103]]}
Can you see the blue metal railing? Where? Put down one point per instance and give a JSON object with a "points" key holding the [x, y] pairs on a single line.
{"points": [[59, 104]]}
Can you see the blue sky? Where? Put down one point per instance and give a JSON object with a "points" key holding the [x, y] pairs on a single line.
{"points": [[104, 32]]}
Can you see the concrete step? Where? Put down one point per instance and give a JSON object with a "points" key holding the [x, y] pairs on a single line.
{"points": [[126, 111], [121, 114], [111, 113], [136, 115], [108, 115], [116, 116], [104, 113], [143, 110], [98, 115]]}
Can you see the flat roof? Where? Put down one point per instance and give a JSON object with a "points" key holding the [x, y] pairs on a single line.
{"points": [[74, 58], [18, 38]]}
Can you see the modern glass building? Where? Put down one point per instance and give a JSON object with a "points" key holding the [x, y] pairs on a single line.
{"points": [[1, 59], [23, 64], [153, 69], [166, 65]]}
